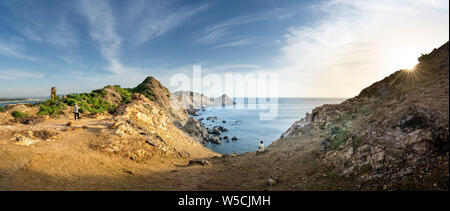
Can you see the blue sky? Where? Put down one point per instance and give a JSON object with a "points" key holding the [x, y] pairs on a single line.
{"points": [[318, 48]]}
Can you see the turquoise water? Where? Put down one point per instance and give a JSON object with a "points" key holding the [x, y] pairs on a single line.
{"points": [[246, 125]]}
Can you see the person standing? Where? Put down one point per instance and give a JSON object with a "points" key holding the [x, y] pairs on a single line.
{"points": [[76, 111]]}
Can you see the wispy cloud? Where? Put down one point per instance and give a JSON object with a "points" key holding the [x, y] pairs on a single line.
{"points": [[145, 20], [158, 20], [102, 29], [8, 48], [234, 66], [236, 43], [42, 24], [18, 74], [216, 31]]}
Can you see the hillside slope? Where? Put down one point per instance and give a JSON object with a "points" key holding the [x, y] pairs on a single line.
{"points": [[394, 134]]}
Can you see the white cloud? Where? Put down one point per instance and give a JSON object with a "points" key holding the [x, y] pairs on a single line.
{"points": [[145, 21], [40, 24], [217, 31], [357, 43], [10, 49], [236, 43], [234, 66], [157, 20], [102, 29], [18, 74]]}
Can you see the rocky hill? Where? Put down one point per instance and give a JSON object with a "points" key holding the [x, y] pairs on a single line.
{"points": [[142, 122], [394, 134]]}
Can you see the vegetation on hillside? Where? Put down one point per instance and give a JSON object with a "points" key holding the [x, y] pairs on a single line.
{"points": [[51, 107], [143, 89], [90, 102], [124, 93], [19, 114], [93, 102]]}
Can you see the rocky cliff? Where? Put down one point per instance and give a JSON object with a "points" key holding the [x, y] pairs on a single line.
{"points": [[155, 91], [154, 117], [394, 133]]}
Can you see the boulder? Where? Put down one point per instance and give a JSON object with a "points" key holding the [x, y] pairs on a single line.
{"points": [[214, 140], [216, 131]]}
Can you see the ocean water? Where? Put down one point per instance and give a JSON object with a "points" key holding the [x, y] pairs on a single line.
{"points": [[16, 102], [245, 123]]}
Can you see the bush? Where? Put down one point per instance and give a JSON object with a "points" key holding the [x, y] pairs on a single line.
{"points": [[142, 89], [90, 102], [334, 130], [5, 108], [51, 107], [124, 93], [341, 137], [18, 114]]}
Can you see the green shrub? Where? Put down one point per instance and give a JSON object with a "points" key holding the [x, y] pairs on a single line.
{"points": [[5, 108], [18, 114], [362, 111], [99, 92], [51, 107], [90, 102], [142, 89], [341, 137], [334, 130], [124, 93]]}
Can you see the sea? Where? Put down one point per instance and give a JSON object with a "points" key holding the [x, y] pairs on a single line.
{"points": [[249, 122], [3, 103]]}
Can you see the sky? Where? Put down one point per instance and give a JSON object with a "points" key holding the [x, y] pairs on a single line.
{"points": [[323, 48]]}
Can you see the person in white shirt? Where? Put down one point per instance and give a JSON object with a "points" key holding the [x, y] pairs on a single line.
{"points": [[260, 148], [76, 111]]}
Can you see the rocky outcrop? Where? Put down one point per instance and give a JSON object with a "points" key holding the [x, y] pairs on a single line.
{"points": [[196, 130], [394, 132], [152, 131], [153, 90], [112, 95], [192, 100]]}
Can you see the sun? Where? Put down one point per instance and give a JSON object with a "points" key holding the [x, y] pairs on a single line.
{"points": [[404, 58]]}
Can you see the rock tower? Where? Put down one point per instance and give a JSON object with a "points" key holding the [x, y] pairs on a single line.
{"points": [[53, 93]]}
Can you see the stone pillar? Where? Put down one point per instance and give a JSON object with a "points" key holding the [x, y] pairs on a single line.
{"points": [[53, 93]]}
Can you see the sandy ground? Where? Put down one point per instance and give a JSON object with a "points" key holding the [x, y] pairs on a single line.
{"points": [[69, 163]]}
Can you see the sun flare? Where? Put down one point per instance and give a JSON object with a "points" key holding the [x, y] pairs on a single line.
{"points": [[405, 58]]}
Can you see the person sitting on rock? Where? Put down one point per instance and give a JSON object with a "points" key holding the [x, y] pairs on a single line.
{"points": [[260, 148], [76, 111]]}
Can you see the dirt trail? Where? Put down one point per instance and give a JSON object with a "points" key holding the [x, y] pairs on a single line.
{"points": [[69, 163]]}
